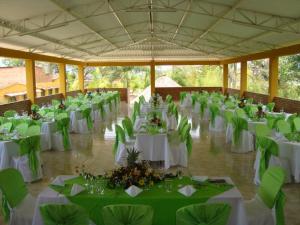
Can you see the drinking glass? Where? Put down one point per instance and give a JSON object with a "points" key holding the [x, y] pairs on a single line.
{"points": [[168, 185], [101, 184]]}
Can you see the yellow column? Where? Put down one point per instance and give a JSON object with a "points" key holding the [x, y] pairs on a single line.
{"points": [[243, 85], [30, 80], [152, 77], [273, 77], [225, 78], [62, 79], [81, 78]]}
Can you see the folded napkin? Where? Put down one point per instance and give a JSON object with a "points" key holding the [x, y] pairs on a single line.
{"points": [[200, 179], [60, 180], [187, 190], [133, 191], [76, 189]]}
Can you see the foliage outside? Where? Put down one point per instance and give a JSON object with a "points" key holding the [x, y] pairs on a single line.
{"points": [[234, 75], [258, 76]]}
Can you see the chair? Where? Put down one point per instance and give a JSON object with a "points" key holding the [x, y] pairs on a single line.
{"points": [[6, 127], [242, 139], [262, 130], [183, 121], [10, 113], [28, 161], [210, 214], [216, 121], [269, 196], [241, 113], [123, 214], [297, 124], [119, 149], [142, 99], [22, 129], [268, 155], [203, 106], [128, 128], [18, 205], [270, 106], [283, 127], [61, 138], [85, 123], [169, 98], [64, 214], [136, 111]]}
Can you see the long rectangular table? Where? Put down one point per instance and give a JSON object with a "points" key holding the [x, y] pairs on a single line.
{"points": [[164, 204]]}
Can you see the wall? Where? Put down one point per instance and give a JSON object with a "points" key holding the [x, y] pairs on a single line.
{"points": [[291, 106], [175, 91], [73, 93], [18, 106], [257, 97], [123, 92], [232, 91], [47, 99]]}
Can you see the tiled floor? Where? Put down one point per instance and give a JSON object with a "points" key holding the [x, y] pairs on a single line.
{"points": [[210, 156]]}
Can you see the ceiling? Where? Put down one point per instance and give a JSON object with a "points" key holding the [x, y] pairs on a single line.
{"points": [[116, 30]]}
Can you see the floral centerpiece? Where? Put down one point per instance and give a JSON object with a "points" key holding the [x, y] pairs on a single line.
{"points": [[135, 173]]}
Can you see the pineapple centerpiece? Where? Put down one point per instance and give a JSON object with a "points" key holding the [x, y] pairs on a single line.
{"points": [[135, 173]]}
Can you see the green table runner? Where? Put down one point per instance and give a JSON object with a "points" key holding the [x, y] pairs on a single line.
{"points": [[164, 204]]}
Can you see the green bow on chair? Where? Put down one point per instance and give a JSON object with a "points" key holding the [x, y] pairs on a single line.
{"points": [[267, 147], [214, 112], [203, 104], [30, 145], [120, 138], [63, 123], [239, 124], [86, 113]]}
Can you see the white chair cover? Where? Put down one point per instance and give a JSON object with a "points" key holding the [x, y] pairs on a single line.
{"points": [[171, 122], [23, 213], [258, 213], [218, 126], [274, 161], [57, 142], [21, 163], [187, 101], [178, 155], [246, 143]]}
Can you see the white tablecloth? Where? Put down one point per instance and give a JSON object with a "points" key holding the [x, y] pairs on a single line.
{"points": [[154, 147], [232, 197]]}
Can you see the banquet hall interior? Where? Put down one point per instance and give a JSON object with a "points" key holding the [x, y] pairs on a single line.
{"points": [[163, 112]]}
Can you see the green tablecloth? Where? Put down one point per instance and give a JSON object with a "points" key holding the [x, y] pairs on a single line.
{"points": [[165, 204]]}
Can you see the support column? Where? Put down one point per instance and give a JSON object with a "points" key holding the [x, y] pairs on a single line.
{"points": [[152, 77], [62, 79], [273, 78], [30, 80], [225, 78], [81, 78], [243, 84]]}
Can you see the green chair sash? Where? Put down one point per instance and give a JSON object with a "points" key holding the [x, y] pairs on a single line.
{"points": [[136, 111], [239, 124], [169, 98], [182, 96], [6, 127], [22, 129], [86, 113], [262, 130], [297, 124], [270, 106], [267, 147], [271, 193], [13, 190], [182, 123], [127, 214], [9, 113], [228, 115], [214, 112], [203, 214], [128, 127], [63, 123], [120, 138], [203, 105], [284, 127], [56, 214]]}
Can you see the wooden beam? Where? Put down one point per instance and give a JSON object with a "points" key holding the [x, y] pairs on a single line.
{"points": [[81, 78], [120, 63], [10, 53], [273, 78], [225, 78], [62, 79], [187, 62], [243, 84], [30, 80], [290, 50], [152, 77]]}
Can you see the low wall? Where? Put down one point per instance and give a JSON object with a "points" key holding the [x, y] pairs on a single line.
{"points": [[47, 99], [232, 91], [288, 105], [257, 97], [175, 91], [18, 106], [73, 93]]}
